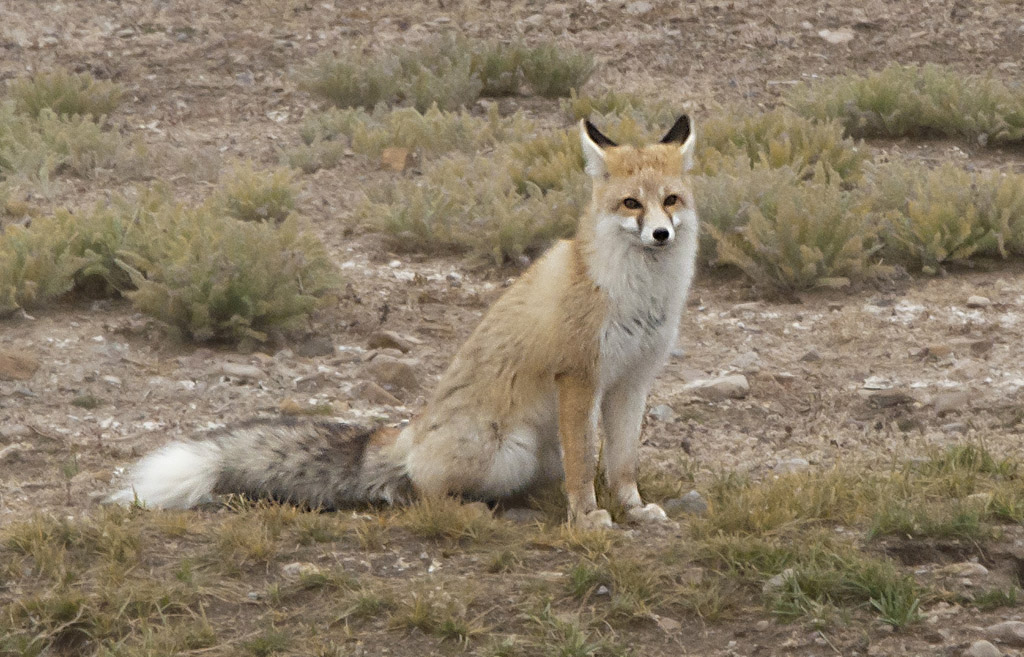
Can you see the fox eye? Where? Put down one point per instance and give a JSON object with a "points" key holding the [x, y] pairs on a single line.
{"points": [[671, 199], [632, 203]]}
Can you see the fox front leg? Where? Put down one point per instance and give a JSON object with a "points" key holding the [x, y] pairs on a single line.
{"points": [[578, 433], [622, 413]]}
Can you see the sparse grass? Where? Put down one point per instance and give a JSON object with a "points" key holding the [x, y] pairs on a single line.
{"points": [[439, 613], [270, 642], [65, 94], [248, 194], [448, 518], [996, 598], [913, 101], [552, 72]]}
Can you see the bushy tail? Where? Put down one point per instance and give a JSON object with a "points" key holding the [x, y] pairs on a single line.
{"points": [[320, 464]]}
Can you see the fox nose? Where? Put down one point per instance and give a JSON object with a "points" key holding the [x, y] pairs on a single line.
{"points": [[660, 234]]}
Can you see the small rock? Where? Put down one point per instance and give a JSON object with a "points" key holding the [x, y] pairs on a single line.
{"points": [[811, 356], [734, 386], [762, 626], [9, 431], [523, 516], [395, 158], [749, 363], [17, 366], [982, 649], [965, 569], [298, 569], [945, 402], [837, 37], [886, 398], [393, 372], [976, 301], [667, 625], [953, 427], [392, 340], [112, 381], [374, 394], [937, 350], [11, 451], [602, 590], [638, 7], [315, 346], [1009, 632], [775, 584], [692, 502], [241, 370], [791, 465], [662, 413]]}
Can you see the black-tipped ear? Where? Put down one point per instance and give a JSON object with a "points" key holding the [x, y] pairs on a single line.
{"points": [[679, 132], [596, 136]]}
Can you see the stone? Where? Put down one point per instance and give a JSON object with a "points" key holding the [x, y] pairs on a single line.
{"points": [[241, 370], [638, 7], [10, 431], [886, 398], [393, 373], [373, 393], [1009, 632], [395, 158], [523, 516], [837, 37], [17, 365], [734, 386], [691, 502], [811, 356], [982, 649], [965, 569], [392, 340], [315, 346], [662, 413], [749, 363], [945, 402], [776, 584], [11, 451], [298, 569], [791, 465], [977, 301]]}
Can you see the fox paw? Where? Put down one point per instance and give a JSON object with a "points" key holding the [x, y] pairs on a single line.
{"points": [[648, 514], [596, 519]]}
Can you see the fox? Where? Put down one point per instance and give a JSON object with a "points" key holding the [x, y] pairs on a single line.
{"points": [[576, 341]]}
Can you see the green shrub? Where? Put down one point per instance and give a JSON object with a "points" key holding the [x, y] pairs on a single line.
{"points": [[252, 195], [471, 204], [498, 66], [65, 94], [932, 218], [353, 80], [214, 278], [778, 138], [815, 234], [913, 101], [430, 133], [618, 103], [41, 147], [439, 73], [37, 264], [552, 71]]}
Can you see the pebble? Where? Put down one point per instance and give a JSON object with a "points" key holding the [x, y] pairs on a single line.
{"points": [[298, 569], [111, 380], [692, 502], [791, 465], [886, 398], [982, 649], [1009, 632], [241, 370], [392, 340], [976, 301], [662, 413], [393, 373], [734, 386], [9, 431], [777, 583], [749, 363], [374, 394], [965, 569], [811, 356], [638, 7], [945, 402]]}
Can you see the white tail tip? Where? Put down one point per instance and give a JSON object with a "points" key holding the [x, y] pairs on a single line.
{"points": [[177, 476]]}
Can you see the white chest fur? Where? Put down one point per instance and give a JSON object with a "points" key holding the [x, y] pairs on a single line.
{"points": [[646, 291]]}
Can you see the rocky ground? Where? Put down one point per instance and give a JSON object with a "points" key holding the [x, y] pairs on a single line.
{"points": [[841, 378]]}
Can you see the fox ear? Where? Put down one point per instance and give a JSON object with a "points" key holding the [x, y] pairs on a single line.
{"points": [[594, 143], [682, 133]]}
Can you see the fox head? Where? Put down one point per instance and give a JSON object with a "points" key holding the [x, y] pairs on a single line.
{"points": [[642, 194]]}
